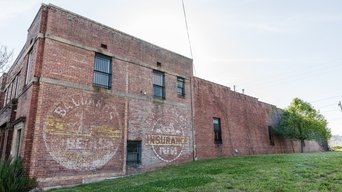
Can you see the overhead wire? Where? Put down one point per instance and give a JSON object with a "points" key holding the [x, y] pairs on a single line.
{"points": [[187, 28], [304, 75], [292, 75], [328, 105], [333, 110], [188, 35], [325, 98]]}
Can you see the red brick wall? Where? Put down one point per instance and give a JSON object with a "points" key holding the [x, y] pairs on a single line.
{"points": [[244, 123], [25, 93], [88, 33], [78, 134], [128, 110]]}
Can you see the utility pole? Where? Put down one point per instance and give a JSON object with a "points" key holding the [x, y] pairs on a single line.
{"points": [[340, 104]]}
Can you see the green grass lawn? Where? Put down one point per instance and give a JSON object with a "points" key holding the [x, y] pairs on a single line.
{"points": [[280, 172]]}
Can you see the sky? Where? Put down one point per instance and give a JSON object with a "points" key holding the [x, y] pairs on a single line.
{"points": [[274, 50]]}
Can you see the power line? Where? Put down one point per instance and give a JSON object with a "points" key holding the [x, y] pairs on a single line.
{"points": [[294, 77], [291, 75], [187, 28], [333, 110], [325, 98], [328, 105]]}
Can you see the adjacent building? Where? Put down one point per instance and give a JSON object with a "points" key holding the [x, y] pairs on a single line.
{"points": [[84, 102]]}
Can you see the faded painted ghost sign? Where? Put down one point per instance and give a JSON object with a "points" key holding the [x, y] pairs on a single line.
{"points": [[167, 139], [82, 132]]}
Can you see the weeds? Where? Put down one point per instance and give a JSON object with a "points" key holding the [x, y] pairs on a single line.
{"points": [[12, 177]]}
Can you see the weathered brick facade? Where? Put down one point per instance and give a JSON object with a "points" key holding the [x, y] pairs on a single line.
{"points": [[69, 130], [245, 123]]}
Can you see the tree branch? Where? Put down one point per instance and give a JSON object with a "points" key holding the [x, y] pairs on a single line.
{"points": [[5, 57]]}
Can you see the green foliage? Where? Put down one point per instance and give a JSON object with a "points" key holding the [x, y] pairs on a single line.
{"points": [[12, 178], [276, 172], [336, 148], [301, 121]]}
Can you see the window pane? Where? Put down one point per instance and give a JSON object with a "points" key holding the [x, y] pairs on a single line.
{"points": [[133, 152], [102, 64], [28, 68], [132, 156], [101, 79], [179, 91], [158, 91], [102, 71], [158, 79], [217, 130], [18, 143], [180, 86], [17, 86], [158, 84]]}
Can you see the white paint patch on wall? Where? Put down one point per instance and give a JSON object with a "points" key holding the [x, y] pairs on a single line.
{"points": [[82, 132], [165, 130]]}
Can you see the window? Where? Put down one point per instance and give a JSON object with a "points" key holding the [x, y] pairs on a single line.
{"points": [[16, 142], [180, 86], [17, 85], [10, 92], [158, 84], [133, 153], [270, 135], [6, 97], [217, 130], [103, 71], [28, 67]]}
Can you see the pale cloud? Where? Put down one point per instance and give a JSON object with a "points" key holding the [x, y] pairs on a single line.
{"points": [[267, 60], [291, 24], [12, 8], [282, 24]]}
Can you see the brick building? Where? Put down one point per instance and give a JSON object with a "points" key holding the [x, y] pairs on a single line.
{"points": [[236, 124], [83, 102]]}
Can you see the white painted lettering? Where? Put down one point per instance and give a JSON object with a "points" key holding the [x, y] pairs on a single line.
{"points": [[60, 111]]}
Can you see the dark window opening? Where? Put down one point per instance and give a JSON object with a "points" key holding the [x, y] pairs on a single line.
{"points": [[17, 143], [104, 46], [217, 130], [270, 135], [103, 71], [158, 84], [158, 64], [133, 153], [180, 86]]}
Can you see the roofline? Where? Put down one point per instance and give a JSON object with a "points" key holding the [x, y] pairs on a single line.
{"points": [[110, 28]]}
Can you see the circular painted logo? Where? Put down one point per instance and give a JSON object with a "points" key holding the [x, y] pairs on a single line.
{"points": [[167, 139], [82, 132]]}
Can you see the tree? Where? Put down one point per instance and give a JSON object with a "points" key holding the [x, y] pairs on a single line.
{"points": [[5, 57], [301, 121]]}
